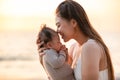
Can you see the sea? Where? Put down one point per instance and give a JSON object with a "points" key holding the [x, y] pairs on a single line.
{"points": [[19, 58]]}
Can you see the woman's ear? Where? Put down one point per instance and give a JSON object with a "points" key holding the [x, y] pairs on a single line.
{"points": [[73, 22]]}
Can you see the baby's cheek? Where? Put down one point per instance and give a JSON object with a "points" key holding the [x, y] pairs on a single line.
{"points": [[60, 44], [59, 47]]}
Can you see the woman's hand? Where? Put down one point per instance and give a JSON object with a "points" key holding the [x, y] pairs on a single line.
{"points": [[40, 51]]}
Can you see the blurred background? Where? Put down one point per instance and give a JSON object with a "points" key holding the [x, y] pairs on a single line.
{"points": [[20, 22]]}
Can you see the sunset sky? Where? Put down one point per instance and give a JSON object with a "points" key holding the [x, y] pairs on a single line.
{"points": [[27, 15]]}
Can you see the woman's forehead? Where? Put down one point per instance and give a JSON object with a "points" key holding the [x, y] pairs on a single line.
{"points": [[57, 20]]}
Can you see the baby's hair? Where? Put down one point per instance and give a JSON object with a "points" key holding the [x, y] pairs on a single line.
{"points": [[45, 35]]}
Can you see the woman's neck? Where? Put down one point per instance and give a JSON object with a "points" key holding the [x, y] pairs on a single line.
{"points": [[80, 38]]}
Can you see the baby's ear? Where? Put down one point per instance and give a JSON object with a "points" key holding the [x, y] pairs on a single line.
{"points": [[49, 45]]}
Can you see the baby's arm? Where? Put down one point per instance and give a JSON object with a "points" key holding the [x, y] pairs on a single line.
{"points": [[55, 59]]}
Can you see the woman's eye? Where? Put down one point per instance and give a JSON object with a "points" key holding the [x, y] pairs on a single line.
{"points": [[58, 28], [58, 25]]}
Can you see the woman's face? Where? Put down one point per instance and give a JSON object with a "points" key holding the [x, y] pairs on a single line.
{"points": [[65, 28]]}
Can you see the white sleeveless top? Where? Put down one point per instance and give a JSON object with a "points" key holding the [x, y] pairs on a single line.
{"points": [[103, 75]]}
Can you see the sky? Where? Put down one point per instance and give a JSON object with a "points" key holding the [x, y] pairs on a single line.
{"points": [[28, 15]]}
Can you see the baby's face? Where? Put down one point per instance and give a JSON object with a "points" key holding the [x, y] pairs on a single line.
{"points": [[56, 44]]}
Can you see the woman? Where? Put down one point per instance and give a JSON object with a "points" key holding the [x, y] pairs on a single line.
{"points": [[92, 60]]}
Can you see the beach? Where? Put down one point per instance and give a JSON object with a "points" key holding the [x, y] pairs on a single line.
{"points": [[19, 58], [21, 70]]}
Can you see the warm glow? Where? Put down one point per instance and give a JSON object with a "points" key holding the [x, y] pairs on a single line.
{"points": [[28, 15], [103, 14], [26, 8], [20, 21]]}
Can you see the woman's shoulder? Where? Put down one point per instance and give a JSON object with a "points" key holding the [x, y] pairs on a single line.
{"points": [[91, 43], [91, 48]]}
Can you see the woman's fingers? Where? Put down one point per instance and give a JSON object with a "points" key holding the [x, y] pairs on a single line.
{"points": [[40, 44], [40, 50], [41, 54]]}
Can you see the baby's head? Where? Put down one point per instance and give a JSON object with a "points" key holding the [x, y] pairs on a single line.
{"points": [[49, 38]]}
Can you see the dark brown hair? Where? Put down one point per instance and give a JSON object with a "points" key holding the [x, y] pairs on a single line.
{"points": [[45, 35], [68, 10]]}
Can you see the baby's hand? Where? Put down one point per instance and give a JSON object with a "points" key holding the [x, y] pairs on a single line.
{"points": [[63, 48]]}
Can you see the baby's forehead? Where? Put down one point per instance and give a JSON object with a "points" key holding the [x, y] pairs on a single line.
{"points": [[56, 36], [53, 32]]}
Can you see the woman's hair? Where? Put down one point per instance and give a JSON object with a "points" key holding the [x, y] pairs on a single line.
{"points": [[45, 35], [68, 10]]}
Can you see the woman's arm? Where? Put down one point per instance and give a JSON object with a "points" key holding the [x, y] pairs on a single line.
{"points": [[90, 61]]}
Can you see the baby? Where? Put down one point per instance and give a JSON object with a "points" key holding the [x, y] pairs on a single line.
{"points": [[55, 55]]}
